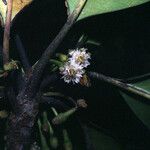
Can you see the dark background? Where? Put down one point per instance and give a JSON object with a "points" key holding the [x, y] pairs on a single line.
{"points": [[124, 52]]}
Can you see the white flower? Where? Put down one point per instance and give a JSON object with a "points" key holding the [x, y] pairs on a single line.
{"points": [[72, 72], [80, 56], [73, 69]]}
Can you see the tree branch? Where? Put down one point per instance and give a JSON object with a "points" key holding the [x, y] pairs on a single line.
{"points": [[7, 32], [38, 69], [22, 53], [124, 86], [22, 121]]}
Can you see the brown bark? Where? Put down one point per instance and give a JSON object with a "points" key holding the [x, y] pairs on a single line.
{"points": [[21, 124], [7, 32], [22, 120]]}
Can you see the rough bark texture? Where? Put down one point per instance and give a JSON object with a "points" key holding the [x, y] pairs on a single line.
{"points": [[22, 119], [21, 124]]}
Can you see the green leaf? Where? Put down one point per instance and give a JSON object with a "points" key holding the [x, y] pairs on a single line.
{"points": [[103, 141], [44, 145], [137, 105], [62, 117], [96, 7], [18, 5], [67, 141]]}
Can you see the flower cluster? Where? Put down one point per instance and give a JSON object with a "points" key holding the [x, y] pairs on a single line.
{"points": [[73, 69]]}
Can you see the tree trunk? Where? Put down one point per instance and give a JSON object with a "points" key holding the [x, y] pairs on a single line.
{"points": [[21, 123]]}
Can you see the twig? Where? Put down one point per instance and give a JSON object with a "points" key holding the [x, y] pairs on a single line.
{"points": [[38, 69], [137, 78], [124, 86], [21, 123], [7, 32], [22, 53]]}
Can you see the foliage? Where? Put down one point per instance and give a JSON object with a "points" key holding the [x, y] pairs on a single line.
{"points": [[64, 120], [18, 5], [97, 7]]}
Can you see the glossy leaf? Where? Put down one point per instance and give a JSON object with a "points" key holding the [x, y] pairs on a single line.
{"points": [[140, 107], [18, 5], [102, 141], [96, 7]]}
